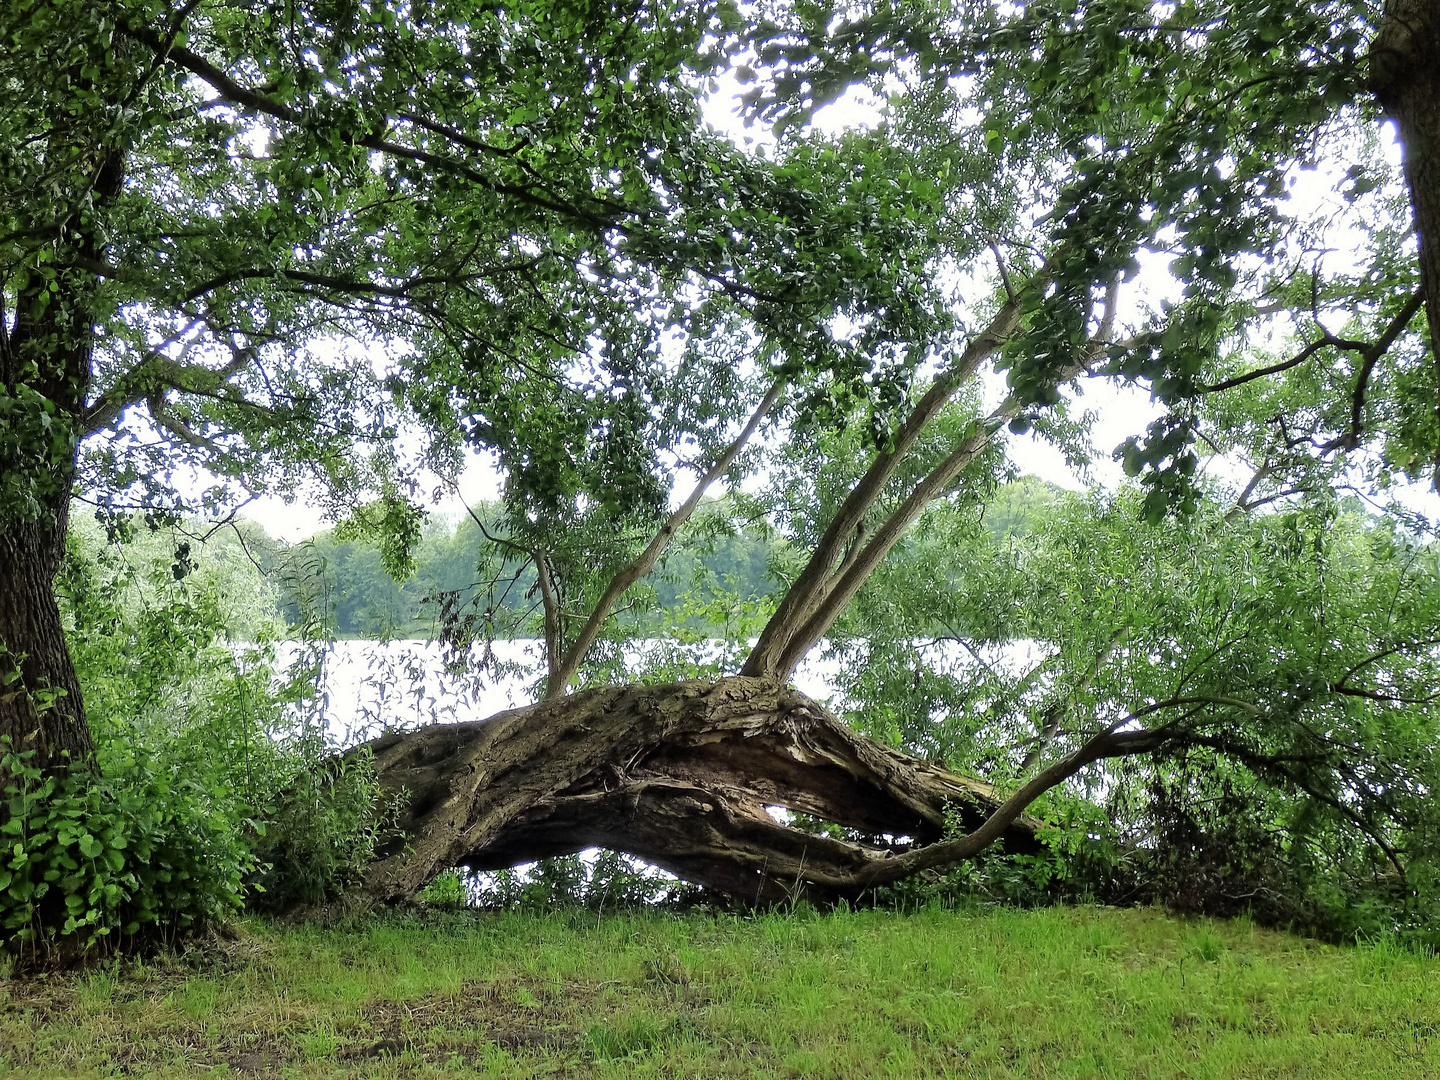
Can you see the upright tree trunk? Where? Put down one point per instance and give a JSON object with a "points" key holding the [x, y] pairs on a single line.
{"points": [[42, 709], [45, 357], [1405, 77]]}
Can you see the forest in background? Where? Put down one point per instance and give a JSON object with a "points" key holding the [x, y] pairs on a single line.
{"points": [[338, 581], [173, 638]]}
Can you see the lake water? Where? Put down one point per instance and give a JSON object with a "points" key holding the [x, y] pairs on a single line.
{"points": [[365, 687]]}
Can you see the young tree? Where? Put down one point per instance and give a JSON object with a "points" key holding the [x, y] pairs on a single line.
{"points": [[519, 209]]}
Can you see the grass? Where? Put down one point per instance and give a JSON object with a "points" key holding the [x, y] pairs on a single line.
{"points": [[1062, 993]]}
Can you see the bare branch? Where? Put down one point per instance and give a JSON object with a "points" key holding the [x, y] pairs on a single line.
{"points": [[1371, 351], [791, 640], [646, 560], [545, 581], [1371, 356]]}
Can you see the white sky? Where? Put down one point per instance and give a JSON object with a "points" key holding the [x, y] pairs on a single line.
{"points": [[1120, 411]]}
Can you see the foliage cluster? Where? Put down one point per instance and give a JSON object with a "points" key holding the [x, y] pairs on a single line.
{"points": [[137, 852], [1295, 649], [208, 792]]}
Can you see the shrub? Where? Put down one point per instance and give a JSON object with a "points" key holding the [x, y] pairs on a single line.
{"points": [[319, 833], [206, 793], [134, 854]]}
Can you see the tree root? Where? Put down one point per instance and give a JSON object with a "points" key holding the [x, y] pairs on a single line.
{"points": [[682, 775]]}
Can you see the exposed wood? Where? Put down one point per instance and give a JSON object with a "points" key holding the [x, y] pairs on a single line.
{"points": [[680, 774]]}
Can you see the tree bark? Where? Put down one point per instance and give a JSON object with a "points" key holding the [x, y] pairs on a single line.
{"points": [[680, 774], [41, 710], [45, 357], [1405, 78]]}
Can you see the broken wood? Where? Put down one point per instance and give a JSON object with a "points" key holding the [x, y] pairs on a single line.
{"points": [[682, 775]]}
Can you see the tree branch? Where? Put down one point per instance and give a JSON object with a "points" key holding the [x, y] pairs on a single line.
{"points": [[235, 93], [829, 596], [810, 589], [1370, 357], [646, 560]]}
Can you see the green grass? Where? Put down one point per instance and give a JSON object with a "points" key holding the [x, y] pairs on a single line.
{"points": [[1063, 993]]}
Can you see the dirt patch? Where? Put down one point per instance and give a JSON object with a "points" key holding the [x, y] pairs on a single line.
{"points": [[262, 1062], [517, 1014]]}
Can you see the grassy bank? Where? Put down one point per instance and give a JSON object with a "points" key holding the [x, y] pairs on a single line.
{"points": [[1058, 993]]}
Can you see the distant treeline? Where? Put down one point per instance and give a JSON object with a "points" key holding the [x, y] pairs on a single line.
{"points": [[342, 583]]}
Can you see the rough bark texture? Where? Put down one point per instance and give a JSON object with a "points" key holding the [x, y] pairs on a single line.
{"points": [[679, 774], [32, 641], [1405, 77], [47, 351]]}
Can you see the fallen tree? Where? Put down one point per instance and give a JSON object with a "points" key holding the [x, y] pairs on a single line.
{"points": [[683, 775]]}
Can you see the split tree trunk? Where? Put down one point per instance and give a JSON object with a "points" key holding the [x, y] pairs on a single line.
{"points": [[681, 775]]}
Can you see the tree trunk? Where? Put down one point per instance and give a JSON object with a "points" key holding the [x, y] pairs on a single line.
{"points": [[45, 358], [681, 775], [45, 377], [42, 709], [1405, 77]]}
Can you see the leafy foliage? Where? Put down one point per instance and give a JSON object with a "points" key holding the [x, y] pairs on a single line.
{"points": [[320, 833], [135, 854], [1290, 656], [205, 797]]}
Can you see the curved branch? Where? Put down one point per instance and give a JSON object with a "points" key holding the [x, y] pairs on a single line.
{"points": [[235, 93]]}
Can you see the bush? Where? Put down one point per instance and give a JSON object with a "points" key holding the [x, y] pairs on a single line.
{"points": [[319, 833], [89, 860], [206, 793]]}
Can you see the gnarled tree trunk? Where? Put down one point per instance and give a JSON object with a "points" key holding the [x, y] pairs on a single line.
{"points": [[682, 775]]}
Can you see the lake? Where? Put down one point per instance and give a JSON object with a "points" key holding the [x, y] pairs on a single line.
{"points": [[365, 687]]}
